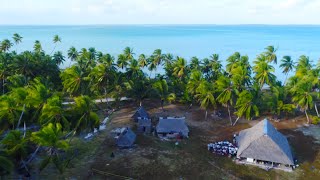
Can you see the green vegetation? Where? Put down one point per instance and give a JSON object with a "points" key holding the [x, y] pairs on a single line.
{"points": [[34, 89]]}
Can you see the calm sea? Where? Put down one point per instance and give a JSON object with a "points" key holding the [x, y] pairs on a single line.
{"points": [[181, 40]]}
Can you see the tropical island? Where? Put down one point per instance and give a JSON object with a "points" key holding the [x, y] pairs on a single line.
{"points": [[46, 112]]}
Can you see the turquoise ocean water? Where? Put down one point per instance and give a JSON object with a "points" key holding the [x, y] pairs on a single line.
{"points": [[182, 40]]}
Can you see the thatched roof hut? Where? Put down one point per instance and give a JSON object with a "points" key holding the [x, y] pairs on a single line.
{"points": [[263, 142], [171, 125], [140, 113], [126, 138]]}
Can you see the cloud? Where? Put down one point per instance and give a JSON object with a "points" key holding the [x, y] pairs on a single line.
{"points": [[159, 11]]}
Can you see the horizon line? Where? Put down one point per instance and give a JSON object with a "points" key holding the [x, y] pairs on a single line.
{"points": [[169, 24]]}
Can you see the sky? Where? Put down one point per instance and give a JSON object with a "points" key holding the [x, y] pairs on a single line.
{"points": [[84, 12]]}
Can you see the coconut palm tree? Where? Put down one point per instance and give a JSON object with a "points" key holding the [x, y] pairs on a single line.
{"points": [[5, 45], [56, 39], [303, 98], [179, 67], [142, 61], [88, 119], [204, 95], [303, 66], [246, 106], [122, 61], [6, 165], [128, 53], [15, 145], [270, 54], [226, 93], [194, 82], [195, 64], [9, 111], [50, 137], [73, 53], [287, 65], [138, 88], [58, 57], [53, 112], [74, 80], [37, 47], [133, 69], [162, 90], [263, 72], [17, 38], [233, 61]]}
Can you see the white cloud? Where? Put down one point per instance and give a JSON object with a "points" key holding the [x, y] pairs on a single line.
{"points": [[160, 11]]}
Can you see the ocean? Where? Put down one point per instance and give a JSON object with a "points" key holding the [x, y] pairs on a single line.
{"points": [[180, 40]]}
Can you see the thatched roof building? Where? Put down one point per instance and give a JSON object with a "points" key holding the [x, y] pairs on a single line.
{"points": [[141, 113], [172, 125], [125, 138], [263, 142]]}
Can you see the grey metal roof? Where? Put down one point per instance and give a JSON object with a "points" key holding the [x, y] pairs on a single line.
{"points": [[141, 112], [172, 125], [264, 142], [126, 139]]}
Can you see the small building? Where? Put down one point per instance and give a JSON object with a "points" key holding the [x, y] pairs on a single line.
{"points": [[262, 144], [144, 125], [172, 127], [140, 113], [125, 137]]}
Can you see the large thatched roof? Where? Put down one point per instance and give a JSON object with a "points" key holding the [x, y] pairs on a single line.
{"points": [[264, 142]]}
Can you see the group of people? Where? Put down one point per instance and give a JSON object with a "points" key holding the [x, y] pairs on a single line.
{"points": [[223, 148]]}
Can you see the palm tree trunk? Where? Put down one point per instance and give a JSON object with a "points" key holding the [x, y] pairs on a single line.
{"points": [[162, 102], [315, 106], [236, 121], [229, 115], [140, 103], [285, 80], [206, 115], [23, 109], [305, 111], [53, 48]]}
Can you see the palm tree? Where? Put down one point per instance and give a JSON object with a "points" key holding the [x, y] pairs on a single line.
{"points": [[5, 45], [37, 47], [53, 112], [56, 39], [9, 111], [233, 61], [195, 64], [128, 53], [74, 80], [15, 145], [142, 61], [87, 117], [263, 72], [180, 66], [270, 54], [162, 90], [304, 65], [204, 94], [17, 38], [50, 137], [138, 88], [246, 106], [122, 61], [58, 57], [133, 69], [302, 97], [227, 93], [287, 65], [73, 54], [194, 81], [6, 165]]}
